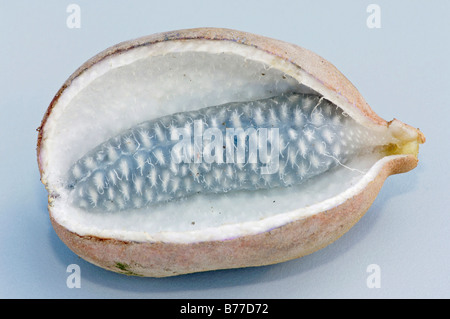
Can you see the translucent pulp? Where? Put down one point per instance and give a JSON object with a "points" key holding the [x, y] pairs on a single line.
{"points": [[269, 143]]}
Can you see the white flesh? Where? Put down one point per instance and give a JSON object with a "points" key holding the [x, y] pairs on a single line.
{"points": [[149, 82]]}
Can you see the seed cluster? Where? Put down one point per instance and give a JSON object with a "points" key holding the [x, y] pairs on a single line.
{"points": [[167, 158]]}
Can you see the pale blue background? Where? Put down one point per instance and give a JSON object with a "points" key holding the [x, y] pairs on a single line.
{"points": [[401, 69]]}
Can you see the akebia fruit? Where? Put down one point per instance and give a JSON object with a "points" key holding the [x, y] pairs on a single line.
{"points": [[205, 149]]}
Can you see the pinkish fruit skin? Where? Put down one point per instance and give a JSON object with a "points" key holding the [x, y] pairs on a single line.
{"points": [[293, 240]]}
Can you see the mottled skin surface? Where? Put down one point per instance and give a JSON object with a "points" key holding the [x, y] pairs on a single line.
{"points": [[295, 239]]}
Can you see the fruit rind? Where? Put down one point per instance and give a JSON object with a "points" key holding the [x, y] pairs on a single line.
{"points": [[292, 240]]}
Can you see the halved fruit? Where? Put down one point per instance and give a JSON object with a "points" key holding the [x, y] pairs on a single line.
{"points": [[121, 196]]}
